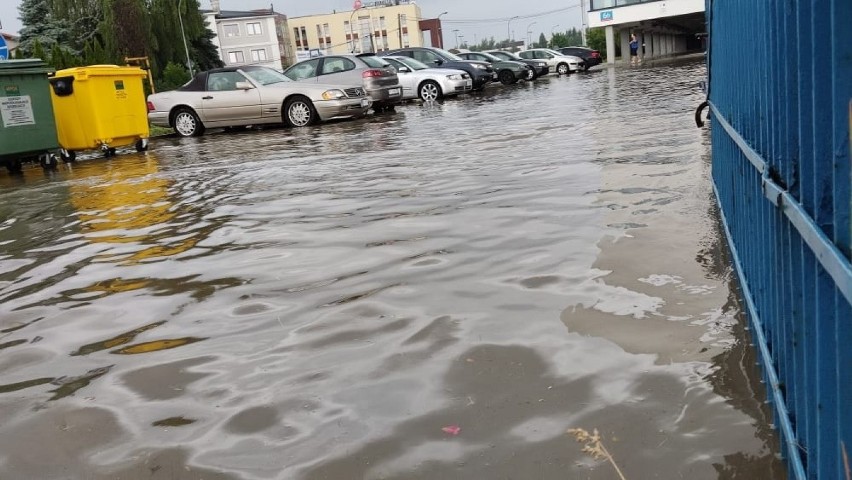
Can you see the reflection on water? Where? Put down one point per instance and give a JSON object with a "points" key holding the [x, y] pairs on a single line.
{"points": [[322, 302]]}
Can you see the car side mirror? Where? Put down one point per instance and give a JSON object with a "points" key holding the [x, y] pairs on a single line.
{"points": [[244, 86], [403, 70], [438, 61]]}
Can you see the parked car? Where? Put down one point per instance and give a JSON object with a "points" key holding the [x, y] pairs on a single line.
{"points": [[428, 84], [480, 72], [539, 67], [377, 76], [563, 64], [589, 56], [506, 71], [252, 95]]}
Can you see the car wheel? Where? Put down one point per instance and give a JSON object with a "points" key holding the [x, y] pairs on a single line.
{"points": [[429, 91], [299, 112], [141, 145], [506, 77], [530, 74], [187, 124], [562, 69], [587, 67]]}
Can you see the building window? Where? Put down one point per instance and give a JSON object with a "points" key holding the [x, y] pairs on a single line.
{"points": [[320, 37], [327, 30], [258, 55], [304, 38], [231, 30], [365, 34], [253, 28], [236, 57], [405, 43], [382, 24]]}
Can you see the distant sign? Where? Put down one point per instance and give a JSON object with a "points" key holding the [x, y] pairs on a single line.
{"points": [[606, 16], [4, 49]]}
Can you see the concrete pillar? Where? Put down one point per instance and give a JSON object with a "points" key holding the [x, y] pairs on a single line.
{"points": [[667, 47], [670, 38], [658, 45], [649, 44], [610, 44], [625, 45]]}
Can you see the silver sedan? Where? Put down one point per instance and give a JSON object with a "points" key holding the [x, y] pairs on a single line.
{"points": [[252, 95], [428, 84]]}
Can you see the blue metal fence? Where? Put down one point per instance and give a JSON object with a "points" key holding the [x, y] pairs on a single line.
{"points": [[780, 85]]}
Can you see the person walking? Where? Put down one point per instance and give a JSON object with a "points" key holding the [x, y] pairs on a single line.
{"points": [[634, 50]]}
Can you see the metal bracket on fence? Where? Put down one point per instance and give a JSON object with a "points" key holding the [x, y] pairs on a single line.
{"points": [[828, 255]]}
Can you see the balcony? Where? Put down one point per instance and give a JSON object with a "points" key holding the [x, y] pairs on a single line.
{"points": [[604, 4]]}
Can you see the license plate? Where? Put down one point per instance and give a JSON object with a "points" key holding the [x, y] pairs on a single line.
{"points": [[393, 91], [365, 102]]}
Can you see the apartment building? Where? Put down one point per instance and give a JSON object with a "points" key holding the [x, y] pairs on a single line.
{"points": [[374, 27], [253, 37]]}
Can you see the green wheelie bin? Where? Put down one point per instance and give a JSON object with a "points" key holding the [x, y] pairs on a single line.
{"points": [[27, 124]]}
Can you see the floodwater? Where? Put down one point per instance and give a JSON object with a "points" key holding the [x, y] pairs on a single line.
{"points": [[439, 293]]}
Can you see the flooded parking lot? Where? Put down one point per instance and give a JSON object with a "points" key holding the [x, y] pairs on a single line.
{"points": [[437, 293]]}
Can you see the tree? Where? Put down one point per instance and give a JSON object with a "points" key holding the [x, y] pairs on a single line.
{"points": [[542, 41], [174, 75], [83, 18], [596, 40], [41, 26], [568, 38], [126, 28], [204, 54]]}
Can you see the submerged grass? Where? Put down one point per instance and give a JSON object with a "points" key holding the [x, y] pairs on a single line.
{"points": [[594, 446]]}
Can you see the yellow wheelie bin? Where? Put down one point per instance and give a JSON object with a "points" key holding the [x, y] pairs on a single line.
{"points": [[99, 107]]}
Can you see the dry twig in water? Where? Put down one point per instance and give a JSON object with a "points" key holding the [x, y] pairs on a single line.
{"points": [[595, 447]]}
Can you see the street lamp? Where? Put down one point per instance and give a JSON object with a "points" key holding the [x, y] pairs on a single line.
{"points": [[440, 31], [352, 29], [551, 34], [529, 39], [456, 31], [183, 36], [461, 37], [509, 28]]}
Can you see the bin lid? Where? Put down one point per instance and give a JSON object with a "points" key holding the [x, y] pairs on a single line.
{"points": [[82, 73], [9, 67]]}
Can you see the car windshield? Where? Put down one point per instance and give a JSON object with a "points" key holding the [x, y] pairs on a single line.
{"points": [[554, 52], [412, 63], [374, 62], [491, 57], [265, 76], [504, 55], [448, 56]]}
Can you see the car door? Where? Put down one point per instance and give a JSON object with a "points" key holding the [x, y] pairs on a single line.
{"points": [[546, 56], [306, 71], [407, 80], [339, 71], [529, 55], [225, 104]]}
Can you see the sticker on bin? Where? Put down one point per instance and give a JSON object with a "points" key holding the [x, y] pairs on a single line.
{"points": [[17, 111], [119, 84], [11, 90]]}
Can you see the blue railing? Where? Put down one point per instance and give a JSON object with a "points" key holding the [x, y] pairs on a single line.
{"points": [[780, 88]]}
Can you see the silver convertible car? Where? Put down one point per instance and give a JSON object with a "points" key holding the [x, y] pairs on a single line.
{"points": [[252, 95]]}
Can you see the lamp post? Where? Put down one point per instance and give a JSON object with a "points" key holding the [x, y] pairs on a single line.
{"points": [[440, 31], [456, 31], [529, 38], [551, 34], [461, 37], [352, 30], [509, 28], [183, 36]]}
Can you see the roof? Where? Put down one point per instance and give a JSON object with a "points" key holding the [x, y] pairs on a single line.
{"points": [[233, 14], [9, 36]]}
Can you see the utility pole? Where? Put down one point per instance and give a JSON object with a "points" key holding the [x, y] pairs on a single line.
{"points": [[583, 21], [183, 36], [399, 21], [509, 34]]}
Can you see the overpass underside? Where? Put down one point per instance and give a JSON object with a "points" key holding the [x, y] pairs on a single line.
{"points": [[658, 37]]}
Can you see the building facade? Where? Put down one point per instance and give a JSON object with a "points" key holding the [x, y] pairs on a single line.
{"points": [[11, 42], [375, 27], [254, 37], [663, 27]]}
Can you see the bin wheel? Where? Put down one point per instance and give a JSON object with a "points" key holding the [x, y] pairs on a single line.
{"points": [[68, 156], [14, 167], [109, 152], [142, 145], [48, 161]]}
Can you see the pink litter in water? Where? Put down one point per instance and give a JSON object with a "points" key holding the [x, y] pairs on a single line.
{"points": [[452, 429]]}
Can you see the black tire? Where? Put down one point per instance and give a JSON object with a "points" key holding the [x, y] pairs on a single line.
{"points": [[299, 112], [506, 77], [563, 69], [531, 75], [186, 123], [141, 145], [587, 67], [109, 152], [14, 167], [68, 156], [430, 91]]}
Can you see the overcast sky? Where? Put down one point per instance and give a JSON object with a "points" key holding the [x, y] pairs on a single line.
{"points": [[475, 19]]}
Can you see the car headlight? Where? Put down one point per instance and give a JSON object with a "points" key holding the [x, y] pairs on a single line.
{"points": [[454, 76], [480, 67], [333, 95]]}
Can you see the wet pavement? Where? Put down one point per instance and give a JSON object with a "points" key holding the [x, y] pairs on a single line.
{"points": [[439, 293]]}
